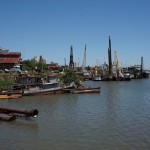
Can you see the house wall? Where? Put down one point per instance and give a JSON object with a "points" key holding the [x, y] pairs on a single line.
{"points": [[9, 59]]}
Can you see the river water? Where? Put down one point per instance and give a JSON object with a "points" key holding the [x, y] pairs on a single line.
{"points": [[118, 118]]}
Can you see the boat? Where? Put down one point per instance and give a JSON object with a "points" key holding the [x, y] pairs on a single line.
{"points": [[10, 94], [45, 88], [87, 76], [48, 86], [97, 77], [96, 74], [145, 74], [127, 76]]}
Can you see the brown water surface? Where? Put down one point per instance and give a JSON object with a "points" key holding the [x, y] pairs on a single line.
{"points": [[118, 118]]}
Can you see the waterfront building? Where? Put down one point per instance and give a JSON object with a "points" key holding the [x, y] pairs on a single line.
{"points": [[9, 59], [53, 67]]}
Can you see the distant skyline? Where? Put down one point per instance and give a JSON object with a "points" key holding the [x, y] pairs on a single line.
{"points": [[49, 28]]}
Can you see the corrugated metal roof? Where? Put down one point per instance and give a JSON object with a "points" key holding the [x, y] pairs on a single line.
{"points": [[9, 60], [10, 53]]}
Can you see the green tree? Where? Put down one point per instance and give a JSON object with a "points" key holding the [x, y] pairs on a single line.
{"points": [[70, 76], [41, 65], [28, 65]]}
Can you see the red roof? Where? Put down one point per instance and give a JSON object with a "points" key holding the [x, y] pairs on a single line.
{"points": [[10, 60], [10, 53], [9, 57], [53, 67]]}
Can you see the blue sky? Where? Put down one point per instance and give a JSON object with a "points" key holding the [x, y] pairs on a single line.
{"points": [[50, 27]]}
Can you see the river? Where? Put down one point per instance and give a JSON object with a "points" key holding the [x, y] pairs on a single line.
{"points": [[117, 118]]}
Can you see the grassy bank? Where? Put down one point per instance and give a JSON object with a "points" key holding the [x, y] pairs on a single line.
{"points": [[5, 80]]}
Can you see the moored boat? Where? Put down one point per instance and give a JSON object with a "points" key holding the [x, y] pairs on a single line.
{"points": [[10, 95], [31, 85], [97, 77], [47, 86], [127, 76], [145, 74]]}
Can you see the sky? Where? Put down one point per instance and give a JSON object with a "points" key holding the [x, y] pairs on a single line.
{"points": [[49, 28]]}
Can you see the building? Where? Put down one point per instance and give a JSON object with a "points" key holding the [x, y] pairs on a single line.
{"points": [[53, 67], [38, 59], [9, 59]]}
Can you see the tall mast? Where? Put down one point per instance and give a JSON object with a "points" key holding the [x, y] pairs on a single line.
{"points": [[71, 63], [141, 66], [84, 59], [104, 60], [109, 57]]}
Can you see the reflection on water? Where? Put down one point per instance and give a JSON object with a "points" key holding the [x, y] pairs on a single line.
{"points": [[116, 118]]}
